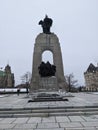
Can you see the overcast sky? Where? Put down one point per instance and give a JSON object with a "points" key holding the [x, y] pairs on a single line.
{"points": [[75, 22]]}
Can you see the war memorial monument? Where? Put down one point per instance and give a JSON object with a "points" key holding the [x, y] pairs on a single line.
{"points": [[44, 75], [79, 113]]}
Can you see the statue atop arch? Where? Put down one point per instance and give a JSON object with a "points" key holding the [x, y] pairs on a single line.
{"points": [[46, 24]]}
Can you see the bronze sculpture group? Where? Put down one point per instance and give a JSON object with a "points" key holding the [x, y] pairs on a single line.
{"points": [[46, 69]]}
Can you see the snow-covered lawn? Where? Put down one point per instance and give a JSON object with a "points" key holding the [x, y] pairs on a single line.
{"points": [[12, 90]]}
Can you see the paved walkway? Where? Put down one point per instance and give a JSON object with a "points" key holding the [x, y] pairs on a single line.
{"points": [[80, 122]]}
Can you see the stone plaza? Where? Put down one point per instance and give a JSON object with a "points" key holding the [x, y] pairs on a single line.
{"points": [[80, 112]]}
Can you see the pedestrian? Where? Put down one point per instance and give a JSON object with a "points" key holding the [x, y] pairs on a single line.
{"points": [[27, 90], [18, 91]]}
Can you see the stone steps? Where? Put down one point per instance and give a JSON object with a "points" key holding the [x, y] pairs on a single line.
{"points": [[52, 111], [46, 114], [46, 110]]}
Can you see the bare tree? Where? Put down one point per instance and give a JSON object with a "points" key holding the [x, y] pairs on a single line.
{"points": [[71, 82], [26, 78]]}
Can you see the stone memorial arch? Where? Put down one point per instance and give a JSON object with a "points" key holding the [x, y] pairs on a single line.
{"points": [[47, 41]]}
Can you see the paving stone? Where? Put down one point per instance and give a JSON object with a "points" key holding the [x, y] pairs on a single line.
{"points": [[90, 118], [96, 116], [74, 129], [34, 120], [19, 129], [48, 119], [92, 124], [76, 118], [47, 125], [70, 124], [21, 120], [52, 129], [6, 126], [7, 120], [1, 119], [26, 126], [86, 128], [62, 119], [89, 128]]}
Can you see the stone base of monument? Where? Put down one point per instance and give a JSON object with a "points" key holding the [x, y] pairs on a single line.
{"points": [[48, 90], [48, 83], [48, 96]]}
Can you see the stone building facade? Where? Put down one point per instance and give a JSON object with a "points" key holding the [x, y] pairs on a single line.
{"points": [[6, 78], [91, 78]]}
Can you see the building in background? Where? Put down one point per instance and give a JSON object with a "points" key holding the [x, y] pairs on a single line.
{"points": [[6, 78], [91, 78]]}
